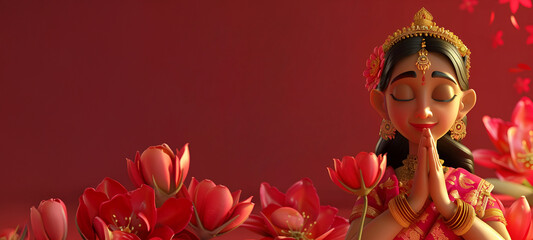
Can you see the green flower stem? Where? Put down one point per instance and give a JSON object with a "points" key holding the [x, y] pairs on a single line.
{"points": [[363, 218]]}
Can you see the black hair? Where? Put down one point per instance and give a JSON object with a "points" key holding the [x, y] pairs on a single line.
{"points": [[451, 151]]}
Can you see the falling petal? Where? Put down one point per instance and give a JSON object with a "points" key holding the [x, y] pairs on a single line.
{"points": [[497, 39], [468, 5], [520, 68], [529, 29], [515, 24], [522, 85], [491, 17], [514, 4]]}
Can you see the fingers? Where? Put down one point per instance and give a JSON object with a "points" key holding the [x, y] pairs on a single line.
{"points": [[423, 153], [433, 155]]}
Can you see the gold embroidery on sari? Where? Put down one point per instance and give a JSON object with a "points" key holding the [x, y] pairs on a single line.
{"points": [[389, 184], [455, 194], [465, 182], [452, 180], [424, 217], [437, 232]]}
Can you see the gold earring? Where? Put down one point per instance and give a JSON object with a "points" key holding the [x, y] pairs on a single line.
{"points": [[386, 130], [458, 130]]}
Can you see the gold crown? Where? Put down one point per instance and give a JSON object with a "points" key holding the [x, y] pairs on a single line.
{"points": [[424, 26]]}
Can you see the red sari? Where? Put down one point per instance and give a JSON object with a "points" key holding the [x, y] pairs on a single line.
{"points": [[430, 225]]}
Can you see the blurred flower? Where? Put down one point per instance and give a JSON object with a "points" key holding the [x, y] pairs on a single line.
{"points": [[497, 39], [159, 168], [374, 67], [296, 214], [513, 160], [529, 29], [49, 220], [14, 234], [522, 85], [518, 216], [217, 210], [514, 4], [468, 5], [110, 212], [365, 166]]}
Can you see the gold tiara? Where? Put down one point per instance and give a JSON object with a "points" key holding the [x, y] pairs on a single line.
{"points": [[422, 26]]}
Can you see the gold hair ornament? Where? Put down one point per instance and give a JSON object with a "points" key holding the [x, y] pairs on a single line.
{"points": [[424, 26], [423, 63]]}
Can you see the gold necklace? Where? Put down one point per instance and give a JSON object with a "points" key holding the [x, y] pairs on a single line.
{"points": [[407, 171]]}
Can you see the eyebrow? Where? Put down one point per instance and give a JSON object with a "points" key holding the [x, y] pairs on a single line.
{"points": [[408, 74], [437, 74]]}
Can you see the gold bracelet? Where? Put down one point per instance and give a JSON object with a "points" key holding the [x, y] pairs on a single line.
{"points": [[401, 211], [463, 218]]}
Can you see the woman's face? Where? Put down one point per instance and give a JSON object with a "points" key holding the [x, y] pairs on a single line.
{"points": [[415, 101]]}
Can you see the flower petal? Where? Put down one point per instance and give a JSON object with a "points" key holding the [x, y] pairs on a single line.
{"points": [[217, 203], [116, 210], [110, 188], [255, 223], [162, 232], [302, 196], [184, 161], [349, 172], [133, 170], [176, 213], [270, 195], [518, 218], [368, 163], [325, 219], [37, 224], [143, 201], [523, 114], [239, 215], [54, 217], [156, 165], [335, 178]]}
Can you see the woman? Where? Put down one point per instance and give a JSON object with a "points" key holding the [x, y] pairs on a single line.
{"points": [[419, 86]]}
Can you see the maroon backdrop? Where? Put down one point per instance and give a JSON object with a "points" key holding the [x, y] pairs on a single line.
{"points": [[262, 90]]}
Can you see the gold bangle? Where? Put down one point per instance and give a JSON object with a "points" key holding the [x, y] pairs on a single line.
{"points": [[463, 218], [401, 211]]}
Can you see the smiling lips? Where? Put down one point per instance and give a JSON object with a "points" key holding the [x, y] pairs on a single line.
{"points": [[421, 126]]}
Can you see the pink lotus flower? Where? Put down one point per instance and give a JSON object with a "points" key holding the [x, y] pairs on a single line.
{"points": [[296, 214], [49, 220], [374, 67], [217, 210], [519, 223], [358, 174], [110, 212], [159, 168], [513, 144], [14, 234]]}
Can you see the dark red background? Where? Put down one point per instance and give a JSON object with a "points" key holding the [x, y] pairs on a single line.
{"points": [[262, 90]]}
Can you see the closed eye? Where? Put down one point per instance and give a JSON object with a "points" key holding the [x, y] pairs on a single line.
{"points": [[446, 100], [401, 100]]}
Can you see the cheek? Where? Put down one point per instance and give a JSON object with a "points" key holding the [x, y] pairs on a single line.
{"points": [[399, 114], [447, 115]]}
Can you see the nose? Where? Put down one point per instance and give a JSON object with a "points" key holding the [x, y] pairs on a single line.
{"points": [[424, 112]]}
